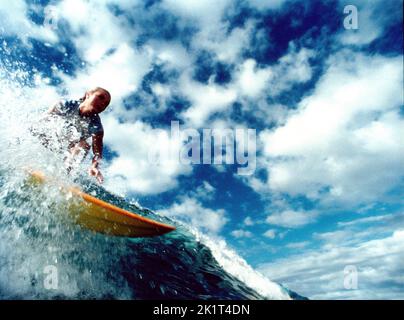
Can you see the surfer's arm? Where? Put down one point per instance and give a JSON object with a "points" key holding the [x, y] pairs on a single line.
{"points": [[97, 150], [97, 147], [55, 109]]}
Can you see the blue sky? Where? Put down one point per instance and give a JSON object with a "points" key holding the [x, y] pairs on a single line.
{"points": [[326, 103]]}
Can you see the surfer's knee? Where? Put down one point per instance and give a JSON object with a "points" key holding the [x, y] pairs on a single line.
{"points": [[84, 145]]}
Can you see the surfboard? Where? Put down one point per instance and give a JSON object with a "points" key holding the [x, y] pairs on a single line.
{"points": [[100, 216]]}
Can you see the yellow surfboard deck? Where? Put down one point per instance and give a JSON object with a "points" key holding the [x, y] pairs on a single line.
{"points": [[100, 216]]}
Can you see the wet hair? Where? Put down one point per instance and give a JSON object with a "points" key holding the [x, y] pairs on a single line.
{"points": [[94, 90]]}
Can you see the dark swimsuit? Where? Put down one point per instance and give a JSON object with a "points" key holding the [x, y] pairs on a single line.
{"points": [[86, 126], [73, 126]]}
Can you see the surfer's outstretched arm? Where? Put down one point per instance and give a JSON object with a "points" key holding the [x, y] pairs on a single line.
{"points": [[97, 150], [55, 109]]}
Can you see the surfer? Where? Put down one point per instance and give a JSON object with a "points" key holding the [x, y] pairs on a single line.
{"points": [[81, 121]]}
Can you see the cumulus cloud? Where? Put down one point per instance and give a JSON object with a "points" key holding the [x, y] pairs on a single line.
{"points": [[348, 127], [271, 234], [252, 81], [294, 67], [171, 55], [266, 4], [95, 29], [204, 192], [298, 245], [239, 233], [292, 219], [205, 99], [135, 168], [213, 32], [248, 221], [319, 274], [192, 212], [227, 47], [350, 233], [120, 72], [14, 21], [204, 12]]}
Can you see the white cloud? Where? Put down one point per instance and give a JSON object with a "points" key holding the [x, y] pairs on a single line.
{"points": [[294, 67], [120, 73], [292, 219], [297, 245], [163, 93], [333, 236], [208, 11], [351, 233], [14, 21], [251, 80], [320, 274], [100, 38], [226, 46], [248, 221], [133, 170], [266, 4], [192, 212], [213, 32], [239, 233], [171, 54], [365, 220], [349, 127], [205, 99], [96, 30], [271, 234], [204, 192]]}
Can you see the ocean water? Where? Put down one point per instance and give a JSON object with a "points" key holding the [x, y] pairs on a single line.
{"points": [[43, 255]]}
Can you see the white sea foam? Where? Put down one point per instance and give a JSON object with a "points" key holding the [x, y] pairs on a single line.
{"points": [[235, 265]]}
